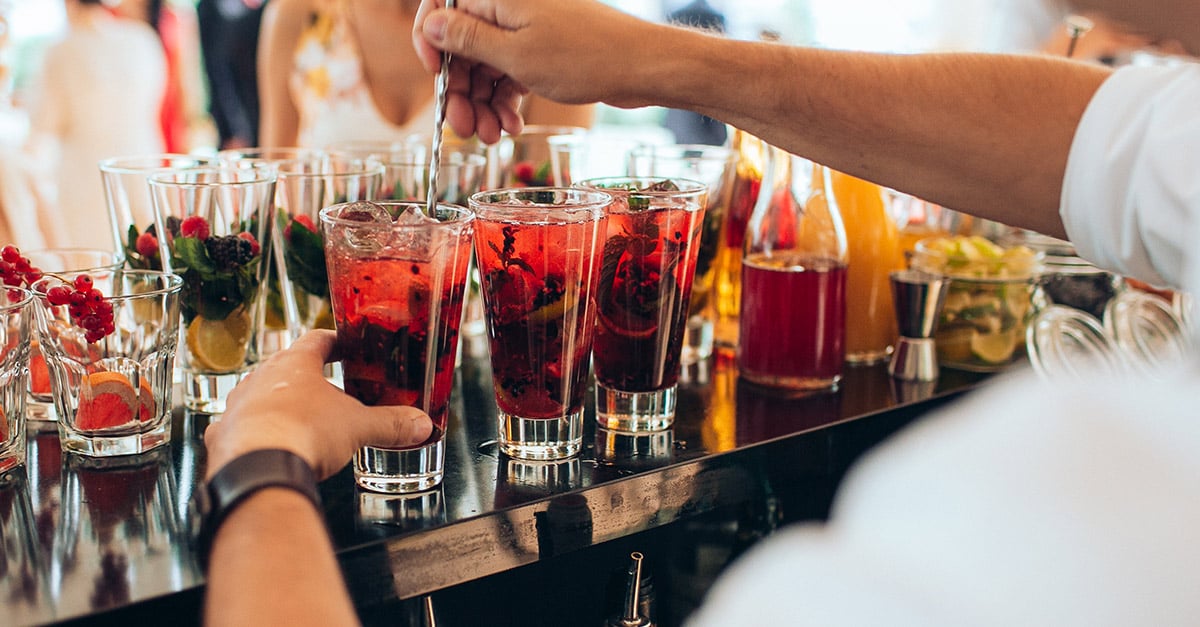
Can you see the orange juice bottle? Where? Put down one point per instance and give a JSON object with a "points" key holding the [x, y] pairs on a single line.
{"points": [[874, 252], [727, 283]]}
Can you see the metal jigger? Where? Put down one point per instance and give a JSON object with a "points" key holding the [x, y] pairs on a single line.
{"points": [[918, 298]]}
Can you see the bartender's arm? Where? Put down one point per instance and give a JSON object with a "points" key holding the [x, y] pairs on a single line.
{"points": [[982, 133], [271, 560]]}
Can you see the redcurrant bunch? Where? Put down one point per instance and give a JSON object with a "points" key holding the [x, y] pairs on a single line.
{"points": [[16, 271], [86, 305]]}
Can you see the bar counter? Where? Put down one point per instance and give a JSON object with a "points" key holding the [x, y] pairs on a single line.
{"points": [[89, 543]]}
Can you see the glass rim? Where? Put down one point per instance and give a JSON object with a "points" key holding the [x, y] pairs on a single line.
{"points": [[174, 283], [693, 187], [704, 150], [462, 215], [237, 155], [264, 173], [922, 254], [595, 198], [7, 306], [350, 145], [447, 160], [114, 165], [370, 166], [542, 130]]}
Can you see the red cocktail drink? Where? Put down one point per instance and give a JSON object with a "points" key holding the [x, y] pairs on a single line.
{"points": [[397, 282], [538, 251], [646, 275]]}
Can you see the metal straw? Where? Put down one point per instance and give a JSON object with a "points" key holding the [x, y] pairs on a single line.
{"points": [[439, 119]]}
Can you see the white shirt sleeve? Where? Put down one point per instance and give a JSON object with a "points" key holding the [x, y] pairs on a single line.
{"points": [[1131, 194], [1072, 504]]}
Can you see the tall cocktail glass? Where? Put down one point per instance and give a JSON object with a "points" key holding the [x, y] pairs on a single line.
{"points": [[589, 156], [285, 313], [218, 221], [16, 331], [39, 407], [713, 166], [539, 252], [131, 209], [646, 275], [397, 280], [297, 297], [523, 160]]}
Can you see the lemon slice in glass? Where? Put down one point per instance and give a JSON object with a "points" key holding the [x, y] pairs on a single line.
{"points": [[220, 345]]}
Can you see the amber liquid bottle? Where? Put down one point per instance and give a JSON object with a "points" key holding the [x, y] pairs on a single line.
{"points": [[874, 251], [751, 161]]}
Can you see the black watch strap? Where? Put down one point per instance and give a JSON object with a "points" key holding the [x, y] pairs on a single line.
{"points": [[236, 481]]}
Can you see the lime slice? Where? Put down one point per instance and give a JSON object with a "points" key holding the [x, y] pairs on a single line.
{"points": [[994, 348], [984, 247], [954, 344]]}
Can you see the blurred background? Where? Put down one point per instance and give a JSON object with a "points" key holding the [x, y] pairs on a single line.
{"points": [[886, 26]]}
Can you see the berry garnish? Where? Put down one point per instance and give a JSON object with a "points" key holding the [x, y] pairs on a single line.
{"points": [[147, 245], [220, 272], [523, 172], [303, 221], [195, 226], [85, 304], [255, 248]]}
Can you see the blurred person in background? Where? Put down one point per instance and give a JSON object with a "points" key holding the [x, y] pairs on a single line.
{"points": [[98, 95], [229, 31], [691, 127], [182, 116], [334, 71]]}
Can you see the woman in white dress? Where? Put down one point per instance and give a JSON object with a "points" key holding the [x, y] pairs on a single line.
{"points": [[334, 71], [98, 96]]}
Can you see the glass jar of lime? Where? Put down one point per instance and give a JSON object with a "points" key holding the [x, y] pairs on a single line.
{"points": [[992, 295]]}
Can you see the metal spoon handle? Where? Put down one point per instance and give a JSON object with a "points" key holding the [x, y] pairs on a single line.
{"points": [[439, 120]]}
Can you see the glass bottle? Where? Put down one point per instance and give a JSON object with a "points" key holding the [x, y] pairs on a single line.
{"points": [[751, 159], [874, 251], [793, 314]]}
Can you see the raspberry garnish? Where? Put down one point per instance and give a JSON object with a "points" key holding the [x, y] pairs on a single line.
{"points": [[195, 226], [147, 245], [85, 304]]}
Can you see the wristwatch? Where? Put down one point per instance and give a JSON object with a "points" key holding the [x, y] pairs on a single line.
{"points": [[213, 501]]}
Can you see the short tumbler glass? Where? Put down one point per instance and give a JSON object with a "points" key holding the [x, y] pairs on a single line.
{"points": [[539, 252], [39, 408], [113, 396], [16, 314], [397, 281]]}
